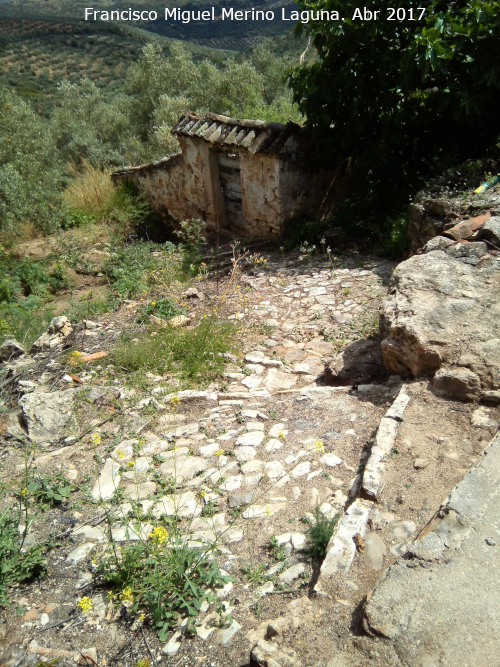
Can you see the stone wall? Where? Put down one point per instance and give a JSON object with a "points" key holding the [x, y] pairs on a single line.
{"points": [[274, 188]]}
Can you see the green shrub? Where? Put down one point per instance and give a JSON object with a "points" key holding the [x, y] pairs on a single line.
{"points": [[319, 533], [16, 563], [165, 309], [91, 195], [133, 269], [25, 319]]}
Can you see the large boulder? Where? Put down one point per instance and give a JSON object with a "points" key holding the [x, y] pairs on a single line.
{"points": [[46, 416], [442, 311]]}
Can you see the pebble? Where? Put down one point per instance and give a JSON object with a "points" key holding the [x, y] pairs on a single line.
{"points": [[250, 439], [292, 573], [80, 553], [331, 460]]}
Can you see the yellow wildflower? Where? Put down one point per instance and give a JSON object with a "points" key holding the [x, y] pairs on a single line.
{"points": [[119, 454], [318, 445], [131, 464], [126, 596], [153, 303], [174, 400], [158, 534], [24, 492], [201, 493], [267, 511], [219, 452], [96, 439], [85, 604]]}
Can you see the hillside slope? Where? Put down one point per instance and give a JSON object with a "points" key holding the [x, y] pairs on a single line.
{"points": [[234, 35]]}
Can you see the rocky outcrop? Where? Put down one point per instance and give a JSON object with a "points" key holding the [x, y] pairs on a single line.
{"points": [[59, 329], [428, 218], [442, 311], [11, 349], [434, 212]]}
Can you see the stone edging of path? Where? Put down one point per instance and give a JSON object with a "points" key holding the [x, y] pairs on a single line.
{"points": [[342, 546]]}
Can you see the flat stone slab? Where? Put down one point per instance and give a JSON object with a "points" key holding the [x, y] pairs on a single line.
{"points": [[441, 606], [342, 548]]}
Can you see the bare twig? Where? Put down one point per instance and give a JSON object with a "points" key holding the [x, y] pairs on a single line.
{"points": [[147, 646]]}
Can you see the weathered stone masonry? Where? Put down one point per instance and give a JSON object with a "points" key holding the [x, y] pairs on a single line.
{"points": [[247, 177]]}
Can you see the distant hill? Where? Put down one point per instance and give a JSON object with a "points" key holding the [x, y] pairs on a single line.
{"points": [[234, 35], [38, 53]]}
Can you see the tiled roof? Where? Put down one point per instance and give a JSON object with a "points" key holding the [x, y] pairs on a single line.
{"points": [[257, 136]]}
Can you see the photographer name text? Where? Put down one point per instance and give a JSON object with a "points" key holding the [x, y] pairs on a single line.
{"points": [[178, 15]]}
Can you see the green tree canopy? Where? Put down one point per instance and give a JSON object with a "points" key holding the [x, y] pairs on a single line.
{"points": [[400, 96], [30, 174]]}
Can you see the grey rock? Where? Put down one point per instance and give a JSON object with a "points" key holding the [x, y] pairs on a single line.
{"points": [[266, 654], [471, 253], [60, 324], [408, 604], [491, 231], [482, 418], [80, 553], [428, 218], [436, 308], [11, 349], [292, 573], [225, 635], [491, 397], [360, 362], [250, 439], [57, 332], [429, 548], [104, 395], [456, 383], [193, 293], [403, 529], [47, 415], [242, 498], [108, 481], [437, 243]]}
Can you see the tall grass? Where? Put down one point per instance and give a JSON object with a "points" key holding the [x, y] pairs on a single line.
{"points": [[92, 193], [195, 355]]}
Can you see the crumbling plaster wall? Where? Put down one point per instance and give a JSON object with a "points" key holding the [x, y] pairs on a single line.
{"points": [[164, 187], [274, 189]]}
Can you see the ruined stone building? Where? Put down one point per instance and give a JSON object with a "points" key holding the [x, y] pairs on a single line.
{"points": [[244, 177]]}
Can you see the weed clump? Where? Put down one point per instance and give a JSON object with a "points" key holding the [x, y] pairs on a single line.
{"points": [[16, 563], [162, 578], [319, 533], [194, 355]]}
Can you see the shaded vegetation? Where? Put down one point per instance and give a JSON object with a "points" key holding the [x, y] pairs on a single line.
{"points": [[401, 99]]}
